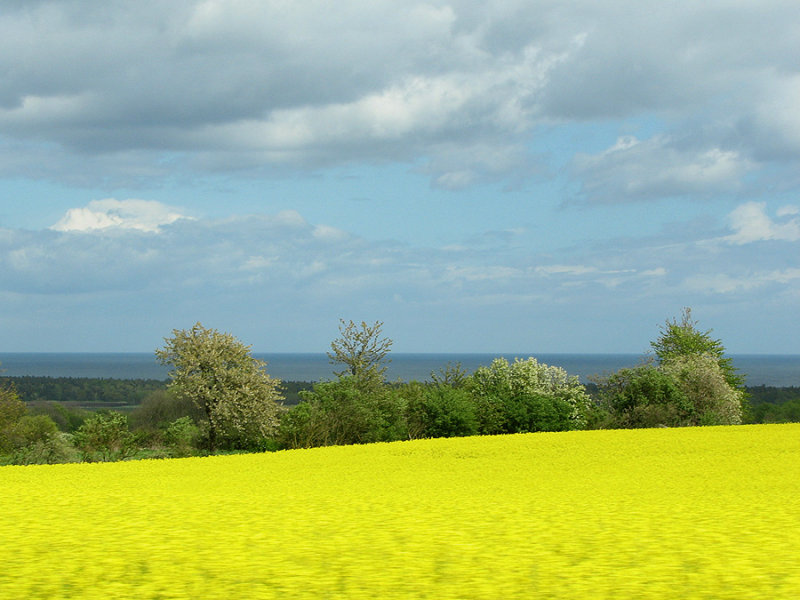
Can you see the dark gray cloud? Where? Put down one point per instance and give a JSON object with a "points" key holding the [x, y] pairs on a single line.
{"points": [[458, 87]]}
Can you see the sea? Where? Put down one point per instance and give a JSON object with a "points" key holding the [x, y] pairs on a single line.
{"points": [[759, 369]]}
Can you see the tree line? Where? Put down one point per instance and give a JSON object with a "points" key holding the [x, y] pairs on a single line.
{"points": [[219, 398]]}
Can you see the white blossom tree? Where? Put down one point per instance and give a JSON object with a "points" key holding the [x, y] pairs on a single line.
{"points": [[217, 372]]}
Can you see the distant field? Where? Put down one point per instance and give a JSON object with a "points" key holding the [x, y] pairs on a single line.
{"points": [[663, 513]]}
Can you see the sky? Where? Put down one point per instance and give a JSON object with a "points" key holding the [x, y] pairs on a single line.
{"points": [[481, 176]]}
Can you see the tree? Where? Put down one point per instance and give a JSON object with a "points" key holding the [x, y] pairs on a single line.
{"points": [[527, 396], [361, 350], [181, 436], [12, 409], [690, 383], [239, 399], [680, 339]]}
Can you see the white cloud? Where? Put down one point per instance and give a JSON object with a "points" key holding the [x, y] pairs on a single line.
{"points": [[141, 215], [565, 270], [326, 232], [723, 283], [633, 169], [751, 223]]}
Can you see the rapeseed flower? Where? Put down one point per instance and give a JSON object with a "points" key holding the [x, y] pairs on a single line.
{"points": [[663, 513]]}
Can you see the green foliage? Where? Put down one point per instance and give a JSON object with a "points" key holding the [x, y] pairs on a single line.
{"points": [[33, 428], [451, 375], [439, 410], [84, 391], [682, 391], [693, 383], [12, 409], [233, 390], [291, 391], [181, 437], [37, 440], [526, 396], [67, 418], [702, 380], [680, 339], [643, 396], [105, 437], [344, 412], [770, 404], [161, 408], [361, 350]]}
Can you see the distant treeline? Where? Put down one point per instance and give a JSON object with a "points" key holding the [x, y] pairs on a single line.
{"points": [[773, 404], [88, 392]]}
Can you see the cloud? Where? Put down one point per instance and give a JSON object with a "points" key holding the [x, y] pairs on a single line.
{"points": [[751, 223], [141, 215], [456, 90], [723, 283], [283, 282], [633, 169]]}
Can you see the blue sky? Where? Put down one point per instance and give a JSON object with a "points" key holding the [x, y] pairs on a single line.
{"points": [[519, 177]]}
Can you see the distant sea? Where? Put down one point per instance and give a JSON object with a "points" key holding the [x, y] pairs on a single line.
{"points": [[761, 369]]}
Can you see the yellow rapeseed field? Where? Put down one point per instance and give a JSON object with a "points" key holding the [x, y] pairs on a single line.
{"points": [[663, 513]]}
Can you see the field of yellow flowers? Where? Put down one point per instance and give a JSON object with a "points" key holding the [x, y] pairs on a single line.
{"points": [[662, 513]]}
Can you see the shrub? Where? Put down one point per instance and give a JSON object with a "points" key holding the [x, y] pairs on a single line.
{"points": [[182, 436], [439, 411], [643, 396], [345, 411], [55, 448], [526, 396], [703, 381], [105, 437]]}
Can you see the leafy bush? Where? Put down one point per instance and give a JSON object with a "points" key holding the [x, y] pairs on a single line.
{"points": [[105, 437], [439, 411], [346, 411], [182, 436], [12, 410], [643, 396], [67, 418], [703, 381], [55, 448], [160, 408], [526, 396], [682, 391]]}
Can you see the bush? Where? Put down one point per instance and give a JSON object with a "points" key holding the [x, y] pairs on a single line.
{"points": [[66, 418], [682, 391], [643, 396], [527, 396], [55, 448], [159, 409], [346, 411], [439, 411], [12, 409], [182, 437], [703, 381], [105, 437]]}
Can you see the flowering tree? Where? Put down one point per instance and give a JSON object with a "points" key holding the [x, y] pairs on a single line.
{"points": [[216, 371]]}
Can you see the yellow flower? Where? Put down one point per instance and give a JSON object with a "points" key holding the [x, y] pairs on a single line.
{"points": [[662, 513]]}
